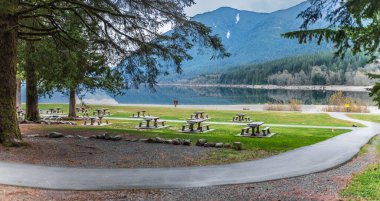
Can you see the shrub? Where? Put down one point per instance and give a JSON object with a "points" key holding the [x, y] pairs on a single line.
{"points": [[293, 105], [338, 100]]}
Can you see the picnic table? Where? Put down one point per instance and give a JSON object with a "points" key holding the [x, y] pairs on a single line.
{"points": [[99, 111], [143, 113], [20, 113], [92, 120], [51, 110], [192, 122], [58, 109], [240, 117], [105, 110], [148, 119], [252, 126], [198, 115]]}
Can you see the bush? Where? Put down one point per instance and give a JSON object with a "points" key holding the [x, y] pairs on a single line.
{"points": [[338, 100], [293, 105]]}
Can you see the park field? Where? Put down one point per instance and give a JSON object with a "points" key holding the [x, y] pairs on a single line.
{"points": [[366, 117], [286, 138], [269, 117]]}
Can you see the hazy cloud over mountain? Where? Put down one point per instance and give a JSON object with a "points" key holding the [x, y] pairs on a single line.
{"points": [[251, 5]]}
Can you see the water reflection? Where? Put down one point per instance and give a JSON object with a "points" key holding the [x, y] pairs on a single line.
{"points": [[220, 95]]}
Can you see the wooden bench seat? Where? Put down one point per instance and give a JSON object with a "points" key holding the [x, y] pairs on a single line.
{"points": [[245, 130], [184, 126], [266, 131], [162, 122], [206, 126]]}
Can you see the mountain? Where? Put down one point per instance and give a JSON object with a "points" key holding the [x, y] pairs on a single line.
{"points": [[250, 37]]}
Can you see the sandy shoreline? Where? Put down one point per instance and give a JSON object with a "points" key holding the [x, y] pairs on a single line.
{"points": [[273, 87]]}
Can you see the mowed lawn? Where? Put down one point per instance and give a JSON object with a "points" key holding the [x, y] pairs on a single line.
{"points": [[366, 117], [269, 117]]}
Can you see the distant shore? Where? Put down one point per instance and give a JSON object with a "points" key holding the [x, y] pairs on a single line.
{"points": [[272, 87]]}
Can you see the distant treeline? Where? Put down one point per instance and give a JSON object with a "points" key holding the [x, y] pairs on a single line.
{"points": [[315, 69]]}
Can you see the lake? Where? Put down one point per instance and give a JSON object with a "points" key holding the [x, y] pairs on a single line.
{"points": [[210, 96]]}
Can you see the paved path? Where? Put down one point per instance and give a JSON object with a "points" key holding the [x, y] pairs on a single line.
{"points": [[315, 158]]}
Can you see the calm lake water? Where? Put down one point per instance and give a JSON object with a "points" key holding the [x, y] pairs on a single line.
{"points": [[211, 96]]}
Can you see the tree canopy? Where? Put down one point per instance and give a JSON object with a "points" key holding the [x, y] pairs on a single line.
{"points": [[128, 33], [352, 25]]}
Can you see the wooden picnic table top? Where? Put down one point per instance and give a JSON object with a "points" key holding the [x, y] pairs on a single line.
{"points": [[141, 111], [194, 121], [240, 114], [199, 112], [149, 118], [255, 124]]}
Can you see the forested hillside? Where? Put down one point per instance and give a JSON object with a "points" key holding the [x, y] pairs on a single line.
{"points": [[313, 69]]}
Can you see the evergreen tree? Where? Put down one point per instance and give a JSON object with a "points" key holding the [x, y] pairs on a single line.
{"points": [[123, 29], [353, 25]]}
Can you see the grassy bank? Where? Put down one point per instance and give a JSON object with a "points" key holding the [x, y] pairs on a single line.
{"points": [[366, 185]]}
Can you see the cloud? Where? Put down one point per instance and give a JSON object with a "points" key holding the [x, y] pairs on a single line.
{"points": [[202, 6]]}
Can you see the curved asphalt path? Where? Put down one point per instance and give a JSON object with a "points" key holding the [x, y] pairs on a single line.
{"points": [[305, 160]]}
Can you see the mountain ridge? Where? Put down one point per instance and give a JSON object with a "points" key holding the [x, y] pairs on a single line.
{"points": [[250, 37]]}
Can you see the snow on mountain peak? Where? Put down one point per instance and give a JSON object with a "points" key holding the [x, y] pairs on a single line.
{"points": [[237, 18]]}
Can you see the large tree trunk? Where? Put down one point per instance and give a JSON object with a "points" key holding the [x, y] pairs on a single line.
{"points": [[9, 131], [32, 112], [72, 103]]}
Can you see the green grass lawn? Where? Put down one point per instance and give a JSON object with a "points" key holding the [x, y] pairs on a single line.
{"points": [[292, 118], [366, 185], [366, 117], [285, 140]]}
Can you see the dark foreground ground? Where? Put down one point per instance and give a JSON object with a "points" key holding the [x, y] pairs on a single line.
{"points": [[319, 186]]}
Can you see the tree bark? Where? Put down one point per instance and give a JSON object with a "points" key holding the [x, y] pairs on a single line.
{"points": [[32, 111], [72, 103], [10, 134]]}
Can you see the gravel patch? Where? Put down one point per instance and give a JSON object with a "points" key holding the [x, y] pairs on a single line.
{"points": [[91, 153]]}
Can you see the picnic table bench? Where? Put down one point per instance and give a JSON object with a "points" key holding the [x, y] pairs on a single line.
{"points": [[93, 120], [139, 114], [195, 122], [252, 126], [148, 120], [199, 115], [253, 129], [241, 117]]}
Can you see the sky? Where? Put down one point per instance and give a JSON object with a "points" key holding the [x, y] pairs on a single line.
{"points": [[266, 6]]}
